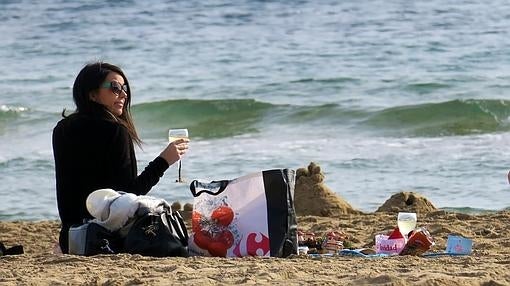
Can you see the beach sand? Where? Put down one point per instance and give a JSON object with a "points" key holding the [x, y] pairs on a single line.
{"points": [[488, 264]]}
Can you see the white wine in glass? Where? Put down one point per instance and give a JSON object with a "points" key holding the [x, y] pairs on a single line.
{"points": [[406, 222], [175, 134]]}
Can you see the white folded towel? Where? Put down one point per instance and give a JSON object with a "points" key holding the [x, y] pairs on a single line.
{"points": [[125, 206]]}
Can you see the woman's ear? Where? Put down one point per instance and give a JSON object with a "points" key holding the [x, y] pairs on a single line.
{"points": [[93, 96]]}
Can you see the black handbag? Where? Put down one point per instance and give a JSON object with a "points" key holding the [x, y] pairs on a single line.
{"points": [[157, 235], [91, 239]]}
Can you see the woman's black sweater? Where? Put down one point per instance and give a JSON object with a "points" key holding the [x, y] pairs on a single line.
{"points": [[95, 152]]}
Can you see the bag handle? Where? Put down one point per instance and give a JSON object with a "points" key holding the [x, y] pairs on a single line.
{"points": [[213, 188], [178, 226], [174, 222]]}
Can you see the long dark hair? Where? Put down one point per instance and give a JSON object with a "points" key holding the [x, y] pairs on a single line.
{"points": [[89, 80]]}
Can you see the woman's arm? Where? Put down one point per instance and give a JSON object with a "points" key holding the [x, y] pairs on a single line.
{"points": [[124, 161], [124, 175]]}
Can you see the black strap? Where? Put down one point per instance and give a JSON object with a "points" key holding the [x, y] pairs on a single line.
{"points": [[178, 225], [180, 220], [213, 188]]}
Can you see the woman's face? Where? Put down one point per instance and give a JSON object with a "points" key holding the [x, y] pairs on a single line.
{"points": [[112, 93]]}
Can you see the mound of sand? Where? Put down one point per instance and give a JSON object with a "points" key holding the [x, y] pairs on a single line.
{"points": [[185, 212], [407, 201], [313, 197]]}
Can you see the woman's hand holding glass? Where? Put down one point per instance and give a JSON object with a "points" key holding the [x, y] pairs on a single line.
{"points": [[180, 139], [175, 150]]}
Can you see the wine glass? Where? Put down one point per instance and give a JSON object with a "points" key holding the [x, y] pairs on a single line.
{"points": [[406, 222], [175, 134]]}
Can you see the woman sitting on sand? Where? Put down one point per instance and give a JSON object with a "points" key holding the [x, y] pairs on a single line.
{"points": [[93, 147]]}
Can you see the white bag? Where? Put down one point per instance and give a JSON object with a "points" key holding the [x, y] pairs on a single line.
{"points": [[249, 216]]}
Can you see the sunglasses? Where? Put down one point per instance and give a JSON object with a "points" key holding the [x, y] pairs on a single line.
{"points": [[116, 87]]}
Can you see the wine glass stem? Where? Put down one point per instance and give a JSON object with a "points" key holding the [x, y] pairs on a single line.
{"points": [[180, 166]]}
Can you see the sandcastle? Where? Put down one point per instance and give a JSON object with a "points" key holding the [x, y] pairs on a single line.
{"points": [[407, 201], [313, 197]]}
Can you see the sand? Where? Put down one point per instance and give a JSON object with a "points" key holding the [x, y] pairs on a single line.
{"points": [[488, 264]]}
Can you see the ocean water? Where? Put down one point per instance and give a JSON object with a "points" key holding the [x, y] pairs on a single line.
{"points": [[386, 96]]}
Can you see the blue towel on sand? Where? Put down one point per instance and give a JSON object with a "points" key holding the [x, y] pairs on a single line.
{"points": [[362, 252]]}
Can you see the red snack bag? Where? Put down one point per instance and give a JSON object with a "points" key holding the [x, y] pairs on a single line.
{"points": [[396, 234], [419, 242]]}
